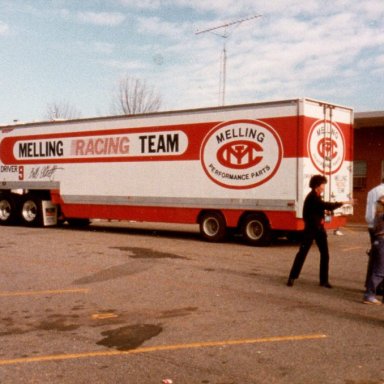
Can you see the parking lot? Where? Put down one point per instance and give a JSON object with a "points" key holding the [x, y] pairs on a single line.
{"points": [[141, 303]]}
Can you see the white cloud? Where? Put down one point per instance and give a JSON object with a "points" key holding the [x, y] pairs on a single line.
{"points": [[157, 27], [96, 47], [101, 18], [379, 61], [372, 9], [103, 47], [290, 54], [4, 29], [142, 4], [326, 49], [127, 65]]}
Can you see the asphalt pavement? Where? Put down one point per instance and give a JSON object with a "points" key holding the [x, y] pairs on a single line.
{"points": [[145, 303]]}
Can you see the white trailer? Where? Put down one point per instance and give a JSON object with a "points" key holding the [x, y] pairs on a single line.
{"points": [[242, 167]]}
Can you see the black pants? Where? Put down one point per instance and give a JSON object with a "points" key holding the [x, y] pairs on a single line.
{"points": [[380, 287], [369, 266], [320, 237], [377, 267]]}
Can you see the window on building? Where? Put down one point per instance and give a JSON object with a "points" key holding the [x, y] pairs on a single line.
{"points": [[359, 174]]}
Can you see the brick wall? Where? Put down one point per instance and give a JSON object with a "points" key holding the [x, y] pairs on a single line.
{"points": [[368, 146]]}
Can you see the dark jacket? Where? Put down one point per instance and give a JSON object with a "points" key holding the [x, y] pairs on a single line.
{"points": [[313, 210]]}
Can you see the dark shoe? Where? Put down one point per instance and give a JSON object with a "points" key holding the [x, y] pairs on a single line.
{"points": [[290, 282], [326, 285]]}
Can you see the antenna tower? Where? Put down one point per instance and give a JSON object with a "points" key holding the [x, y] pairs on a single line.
{"points": [[226, 32]]}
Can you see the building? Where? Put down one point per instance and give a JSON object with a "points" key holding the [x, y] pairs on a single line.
{"points": [[368, 158]]}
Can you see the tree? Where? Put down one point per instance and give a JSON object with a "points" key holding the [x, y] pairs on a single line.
{"points": [[135, 96], [62, 110]]}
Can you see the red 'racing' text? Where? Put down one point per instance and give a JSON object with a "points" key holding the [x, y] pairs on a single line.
{"points": [[101, 146]]}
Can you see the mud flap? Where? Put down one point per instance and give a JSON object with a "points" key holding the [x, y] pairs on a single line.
{"points": [[49, 213]]}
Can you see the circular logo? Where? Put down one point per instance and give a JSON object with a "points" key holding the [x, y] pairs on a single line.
{"points": [[326, 146], [241, 154]]}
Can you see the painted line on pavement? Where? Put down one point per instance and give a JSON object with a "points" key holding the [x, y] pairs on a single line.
{"points": [[351, 249], [159, 348], [102, 316], [47, 292]]}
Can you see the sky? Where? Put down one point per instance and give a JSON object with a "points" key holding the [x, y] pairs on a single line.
{"points": [[75, 52]]}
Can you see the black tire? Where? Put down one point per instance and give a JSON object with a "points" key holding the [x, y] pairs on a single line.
{"points": [[256, 230], [8, 209], [31, 211], [213, 227]]}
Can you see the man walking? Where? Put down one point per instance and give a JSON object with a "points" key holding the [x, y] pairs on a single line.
{"points": [[376, 273], [314, 217], [370, 211]]}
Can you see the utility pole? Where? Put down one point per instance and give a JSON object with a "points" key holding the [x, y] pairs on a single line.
{"points": [[223, 65]]}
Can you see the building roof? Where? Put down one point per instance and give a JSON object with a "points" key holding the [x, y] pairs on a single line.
{"points": [[369, 119]]}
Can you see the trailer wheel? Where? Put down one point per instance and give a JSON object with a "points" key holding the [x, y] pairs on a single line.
{"points": [[8, 209], [31, 211], [256, 230], [213, 226]]}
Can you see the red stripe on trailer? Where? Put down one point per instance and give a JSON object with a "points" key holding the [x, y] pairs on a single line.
{"points": [[292, 131]]}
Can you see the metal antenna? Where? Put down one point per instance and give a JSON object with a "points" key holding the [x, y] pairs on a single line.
{"points": [[225, 34]]}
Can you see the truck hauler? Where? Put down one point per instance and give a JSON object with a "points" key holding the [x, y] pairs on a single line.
{"points": [[242, 167]]}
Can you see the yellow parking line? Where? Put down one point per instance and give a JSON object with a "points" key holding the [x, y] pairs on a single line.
{"points": [[159, 348], [102, 316], [47, 292], [351, 249]]}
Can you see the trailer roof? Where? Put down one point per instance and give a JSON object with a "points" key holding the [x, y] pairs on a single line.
{"points": [[164, 113]]}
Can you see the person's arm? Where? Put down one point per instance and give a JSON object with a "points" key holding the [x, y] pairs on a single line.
{"points": [[370, 210], [328, 206]]}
